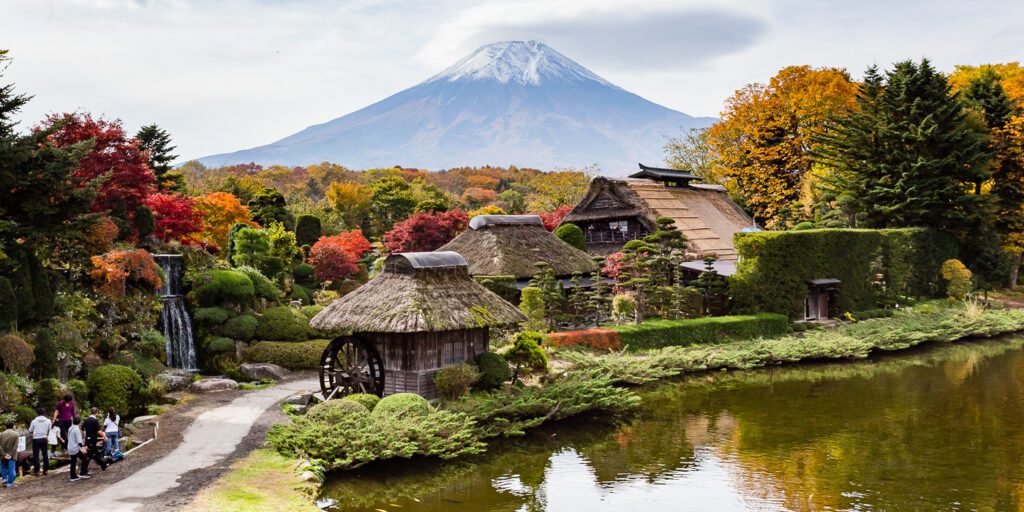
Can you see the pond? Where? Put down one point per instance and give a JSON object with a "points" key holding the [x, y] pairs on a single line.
{"points": [[940, 428]]}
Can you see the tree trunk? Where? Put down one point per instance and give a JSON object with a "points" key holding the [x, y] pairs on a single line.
{"points": [[1015, 269]]}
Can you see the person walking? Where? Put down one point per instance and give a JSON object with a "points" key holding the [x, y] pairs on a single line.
{"points": [[62, 416], [112, 431], [75, 446], [93, 434], [9, 454], [39, 429]]}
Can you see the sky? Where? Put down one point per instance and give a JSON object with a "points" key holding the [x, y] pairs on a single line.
{"points": [[223, 75]]}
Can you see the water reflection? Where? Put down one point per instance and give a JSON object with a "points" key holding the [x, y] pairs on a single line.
{"points": [[937, 429]]}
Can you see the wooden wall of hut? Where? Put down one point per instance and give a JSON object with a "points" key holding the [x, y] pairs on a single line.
{"points": [[412, 359]]}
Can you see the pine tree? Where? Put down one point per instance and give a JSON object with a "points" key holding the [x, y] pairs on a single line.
{"points": [[157, 141], [986, 94]]}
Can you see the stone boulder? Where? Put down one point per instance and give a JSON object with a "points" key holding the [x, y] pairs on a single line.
{"points": [[212, 384], [175, 380], [259, 371]]}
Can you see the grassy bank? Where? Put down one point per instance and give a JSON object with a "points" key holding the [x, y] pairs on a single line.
{"points": [[264, 481]]}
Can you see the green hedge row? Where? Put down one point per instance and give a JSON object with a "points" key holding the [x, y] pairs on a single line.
{"points": [[292, 355], [678, 333], [876, 267]]}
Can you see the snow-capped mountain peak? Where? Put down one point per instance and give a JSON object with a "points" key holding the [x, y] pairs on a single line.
{"points": [[523, 62]]}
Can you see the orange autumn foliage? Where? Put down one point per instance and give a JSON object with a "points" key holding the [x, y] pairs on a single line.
{"points": [[220, 211], [101, 235], [115, 271], [596, 339]]}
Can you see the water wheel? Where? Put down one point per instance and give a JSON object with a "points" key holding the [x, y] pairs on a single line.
{"points": [[350, 365]]}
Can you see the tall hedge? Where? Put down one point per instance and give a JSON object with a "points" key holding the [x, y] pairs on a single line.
{"points": [[874, 266], [307, 230], [680, 333]]}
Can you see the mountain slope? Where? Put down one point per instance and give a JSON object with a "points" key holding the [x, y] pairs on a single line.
{"points": [[513, 102]]}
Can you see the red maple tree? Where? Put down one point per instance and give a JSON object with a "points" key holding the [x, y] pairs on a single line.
{"points": [[176, 216], [335, 258], [425, 231], [115, 158], [553, 218]]}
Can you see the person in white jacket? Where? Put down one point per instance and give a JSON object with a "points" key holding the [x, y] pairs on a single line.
{"points": [[39, 429], [76, 447]]}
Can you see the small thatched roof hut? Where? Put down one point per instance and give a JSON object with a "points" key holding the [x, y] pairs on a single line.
{"points": [[422, 313], [509, 245]]}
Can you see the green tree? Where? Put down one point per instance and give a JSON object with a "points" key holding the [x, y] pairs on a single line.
{"points": [[531, 303], [526, 354], [572, 234], [986, 94], [268, 207], [391, 200], [157, 141], [691, 152], [307, 229]]}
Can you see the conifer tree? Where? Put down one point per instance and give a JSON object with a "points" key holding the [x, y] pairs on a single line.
{"points": [[157, 141]]}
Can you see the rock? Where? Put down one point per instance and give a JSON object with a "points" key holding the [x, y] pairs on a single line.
{"points": [[258, 371], [296, 409], [300, 399], [309, 476], [144, 420], [212, 384], [175, 380], [316, 398]]}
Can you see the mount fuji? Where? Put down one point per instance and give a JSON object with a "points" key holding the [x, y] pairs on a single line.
{"points": [[508, 103]]}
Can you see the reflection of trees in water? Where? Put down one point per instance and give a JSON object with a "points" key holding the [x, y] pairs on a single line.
{"points": [[945, 423]]}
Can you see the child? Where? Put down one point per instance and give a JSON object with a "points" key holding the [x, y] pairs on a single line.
{"points": [[54, 439]]}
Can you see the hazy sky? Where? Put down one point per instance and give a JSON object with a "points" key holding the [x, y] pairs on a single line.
{"points": [[232, 74]]}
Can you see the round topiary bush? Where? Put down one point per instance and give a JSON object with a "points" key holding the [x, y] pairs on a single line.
{"points": [[283, 324], [16, 354], [223, 287], [494, 370], [220, 345], [454, 381], [303, 273], [116, 386], [334, 410], [572, 235], [212, 316], [264, 288], [241, 327], [367, 400], [803, 225], [402, 404]]}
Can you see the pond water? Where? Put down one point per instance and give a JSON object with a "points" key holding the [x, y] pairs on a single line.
{"points": [[940, 428]]}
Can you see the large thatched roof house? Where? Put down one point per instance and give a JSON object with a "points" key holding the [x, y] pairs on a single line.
{"points": [[614, 211], [509, 245], [422, 313]]}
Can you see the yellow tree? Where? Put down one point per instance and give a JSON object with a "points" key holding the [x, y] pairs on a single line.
{"points": [[762, 144], [1011, 77], [548, 191], [352, 200], [220, 211]]}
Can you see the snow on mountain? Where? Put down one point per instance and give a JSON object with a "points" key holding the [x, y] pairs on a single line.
{"points": [[507, 103]]}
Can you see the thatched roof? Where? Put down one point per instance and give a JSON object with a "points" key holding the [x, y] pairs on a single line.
{"points": [[418, 292], [509, 245]]}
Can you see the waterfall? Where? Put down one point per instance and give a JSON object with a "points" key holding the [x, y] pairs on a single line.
{"points": [[181, 349]]}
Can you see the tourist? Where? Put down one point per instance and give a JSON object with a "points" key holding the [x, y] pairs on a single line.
{"points": [[93, 434], [113, 432], [9, 451], [24, 463], [75, 446], [54, 439], [39, 429], [62, 416]]}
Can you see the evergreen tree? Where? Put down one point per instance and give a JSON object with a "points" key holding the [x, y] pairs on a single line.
{"points": [[268, 207], [157, 141], [986, 94]]}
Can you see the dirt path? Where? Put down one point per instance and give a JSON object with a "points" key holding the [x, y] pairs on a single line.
{"points": [[198, 442]]}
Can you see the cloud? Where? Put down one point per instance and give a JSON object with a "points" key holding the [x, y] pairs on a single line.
{"points": [[670, 37]]}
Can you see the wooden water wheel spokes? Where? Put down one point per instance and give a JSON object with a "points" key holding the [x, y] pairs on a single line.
{"points": [[350, 365]]}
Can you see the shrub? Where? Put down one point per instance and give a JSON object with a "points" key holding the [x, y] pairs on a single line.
{"points": [[454, 381], [402, 405], [48, 392], [284, 323], [803, 225], [116, 386], [152, 344], [8, 304], [367, 400], [572, 235], [16, 354], [213, 316], [503, 286], [303, 273], [291, 355], [220, 345], [958, 279], [623, 308], [307, 229], [224, 287], [526, 354], [45, 353], [664, 333], [241, 327], [263, 287], [310, 311], [494, 370], [335, 410], [597, 339], [301, 293], [531, 303], [24, 414], [79, 391], [116, 272], [325, 297]]}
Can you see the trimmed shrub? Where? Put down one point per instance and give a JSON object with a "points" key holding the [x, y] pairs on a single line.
{"points": [[213, 316], [284, 323], [48, 392], [868, 314], [596, 339], [301, 293], [294, 356], [45, 352], [79, 391], [264, 288], [678, 333], [23, 414], [572, 234], [958, 279], [367, 400], [224, 287], [307, 229], [334, 410], [311, 311], [220, 345], [623, 308], [8, 304], [531, 303], [116, 386], [401, 405], [303, 273], [454, 381], [16, 354], [241, 327], [803, 226], [526, 354], [152, 344], [494, 370]]}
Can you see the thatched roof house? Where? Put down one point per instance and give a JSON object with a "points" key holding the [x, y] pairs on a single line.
{"points": [[422, 313], [509, 245], [614, 211]]}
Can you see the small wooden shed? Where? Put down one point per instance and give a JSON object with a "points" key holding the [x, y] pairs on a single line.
{"points": [[422, 313], [820, 297]]}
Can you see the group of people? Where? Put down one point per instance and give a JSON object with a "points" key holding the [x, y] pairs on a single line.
{"points": [[65, 430]]}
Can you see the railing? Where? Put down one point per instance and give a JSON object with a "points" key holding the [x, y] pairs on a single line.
{"points": [[603, 237]]}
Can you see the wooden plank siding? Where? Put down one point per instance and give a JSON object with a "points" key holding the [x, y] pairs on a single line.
{"points": [[412, 359]]}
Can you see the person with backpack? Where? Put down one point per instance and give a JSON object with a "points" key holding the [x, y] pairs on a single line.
{"points": [[39, 429], [112, 431]]}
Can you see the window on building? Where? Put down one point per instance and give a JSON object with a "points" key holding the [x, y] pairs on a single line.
{"points": [[619, 225]]}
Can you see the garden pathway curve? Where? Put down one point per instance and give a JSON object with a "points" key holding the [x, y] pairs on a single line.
{"points": [[209, 440]]}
